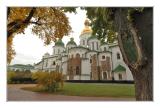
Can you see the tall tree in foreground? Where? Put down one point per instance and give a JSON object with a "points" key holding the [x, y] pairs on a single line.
{"points": [[48, 23], [135, 38]]}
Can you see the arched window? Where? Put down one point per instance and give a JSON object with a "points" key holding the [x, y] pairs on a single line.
{"points": [[104, 75], [120, 76], [118, 56], [77, 70], [54, 63], [97, 45], [58, 51], [92, 45], [83, 42], [77, 55], [103, 57], [90, 60]]}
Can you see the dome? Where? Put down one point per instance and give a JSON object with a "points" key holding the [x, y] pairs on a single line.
{"points": [[71, 42], [59, 43], [87, 29]]}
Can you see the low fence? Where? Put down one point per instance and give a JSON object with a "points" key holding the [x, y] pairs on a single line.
{"points": [[101, 81], [31, 81]]}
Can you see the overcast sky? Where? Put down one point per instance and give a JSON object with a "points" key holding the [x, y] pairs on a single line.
{"points": [[30, 49]]}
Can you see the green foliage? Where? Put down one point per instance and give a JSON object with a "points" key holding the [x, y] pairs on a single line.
{"points": [[102, 20], [51, 81], [102, 23], [10, 75], [18, 76]]}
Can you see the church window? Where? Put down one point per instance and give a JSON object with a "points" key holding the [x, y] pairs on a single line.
{"points": [[58, 51], [104, 75], [92, 45], [97, 45], [105, 49], [46, 64], [90, 60], [118, 56], [54, 63], [77, 70], [103, 57], [83, 42], [120, 76], [77, 55]]}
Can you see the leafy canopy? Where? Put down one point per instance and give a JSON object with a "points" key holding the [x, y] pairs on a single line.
{"points": [[47, 23]]}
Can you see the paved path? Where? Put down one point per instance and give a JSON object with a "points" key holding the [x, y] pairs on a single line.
{"points": [[15, 93]]}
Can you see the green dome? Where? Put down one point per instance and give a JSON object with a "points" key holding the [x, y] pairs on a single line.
{"points": [[92, 37], [71, 42], [59, 43]]}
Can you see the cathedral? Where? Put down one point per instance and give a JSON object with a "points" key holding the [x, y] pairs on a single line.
{"points": [[91, 60]]}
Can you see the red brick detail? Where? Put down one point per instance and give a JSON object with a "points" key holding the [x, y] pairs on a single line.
{"points": [[94, 68], [106, 67], [72, 65]]}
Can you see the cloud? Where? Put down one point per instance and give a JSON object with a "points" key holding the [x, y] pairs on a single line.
{"points": [[24, 59]]}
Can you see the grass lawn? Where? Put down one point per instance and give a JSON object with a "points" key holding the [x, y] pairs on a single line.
{"points": [[94, 89]]}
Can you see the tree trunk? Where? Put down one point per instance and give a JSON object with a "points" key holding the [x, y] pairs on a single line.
{"points": [[133, 40], [144, 82]]}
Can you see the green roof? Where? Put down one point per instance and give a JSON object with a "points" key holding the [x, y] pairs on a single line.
{"points": [[28, 67], [71, 42], [59, 43], [119, 68], [92, 37]]}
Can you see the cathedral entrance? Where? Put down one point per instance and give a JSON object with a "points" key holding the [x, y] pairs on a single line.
{"points": [[71, 74], [105, 75]]}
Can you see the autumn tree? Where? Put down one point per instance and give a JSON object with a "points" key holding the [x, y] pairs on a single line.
{"points": [[135, 37], [48, 23]]}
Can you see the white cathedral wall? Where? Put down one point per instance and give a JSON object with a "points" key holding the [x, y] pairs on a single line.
{"points": [[70, 46], [58, 48], [116, 76], [85, 38], [95, 41], [116, 62], [64, 68], [77, 51], [85, 69], [102, 47]]}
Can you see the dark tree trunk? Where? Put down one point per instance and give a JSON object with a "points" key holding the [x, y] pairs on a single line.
{"points": [[135, 42], [144, 83]]}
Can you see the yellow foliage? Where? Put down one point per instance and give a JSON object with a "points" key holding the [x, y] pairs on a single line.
{"points": [[10, 75], [47, 23], [50, 80]]}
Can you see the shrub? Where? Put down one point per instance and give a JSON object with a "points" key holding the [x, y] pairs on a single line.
{"points": [[10, 76], [51, 81]]}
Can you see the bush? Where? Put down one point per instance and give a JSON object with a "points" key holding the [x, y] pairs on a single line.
{"points": [[10, 76], [15, 77], [51, 81]]}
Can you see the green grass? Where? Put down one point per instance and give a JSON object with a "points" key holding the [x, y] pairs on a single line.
{"points": [[97, 90]]}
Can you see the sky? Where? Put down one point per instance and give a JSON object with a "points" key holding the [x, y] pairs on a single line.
{"points": [[30, 49]]}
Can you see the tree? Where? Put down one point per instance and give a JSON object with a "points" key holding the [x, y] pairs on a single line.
{"points": [[48, 23], [135, 38]]}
